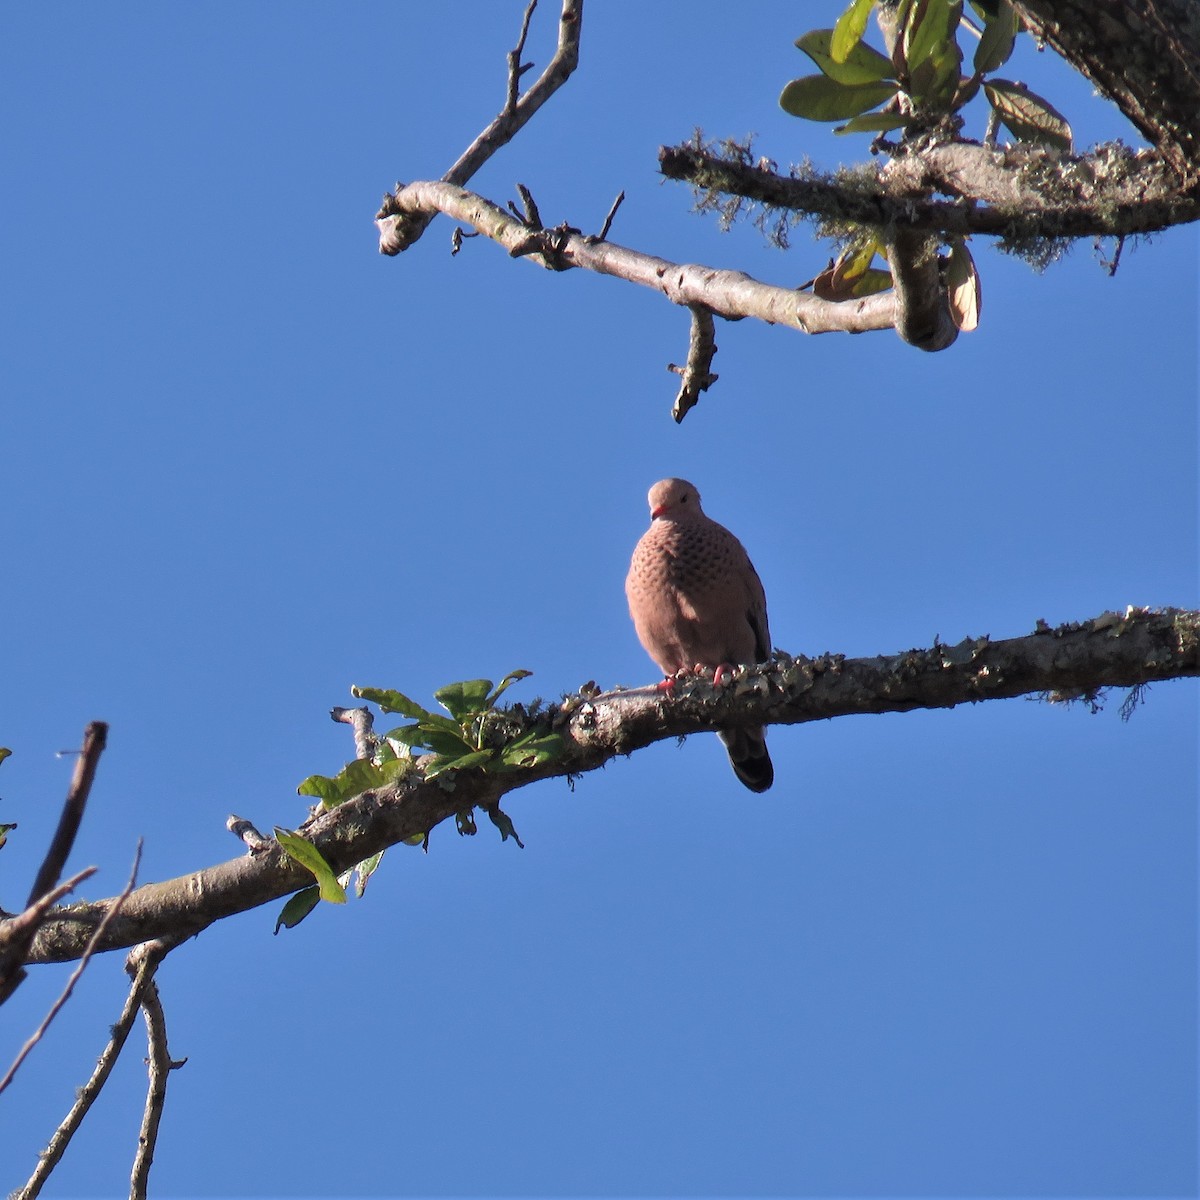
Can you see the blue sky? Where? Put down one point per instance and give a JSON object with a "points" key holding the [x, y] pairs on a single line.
{"points": [[247, 462]]}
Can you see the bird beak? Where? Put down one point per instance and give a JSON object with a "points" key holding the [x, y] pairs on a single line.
{"points": [[658, 511]]}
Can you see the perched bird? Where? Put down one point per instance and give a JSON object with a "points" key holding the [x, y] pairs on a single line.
{"points": [[696, 601]]}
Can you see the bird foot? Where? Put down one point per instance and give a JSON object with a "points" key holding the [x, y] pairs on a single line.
{"points": [[721, 672], [667, 686]]}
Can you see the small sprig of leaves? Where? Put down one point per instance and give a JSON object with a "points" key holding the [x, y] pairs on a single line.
{"points": [[474, 735], [921, 80], [328, 887]]}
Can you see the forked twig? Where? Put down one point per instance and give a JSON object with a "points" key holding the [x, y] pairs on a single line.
{"points": [[49, 900], [400, 229], [515, 68], [143, 960]]}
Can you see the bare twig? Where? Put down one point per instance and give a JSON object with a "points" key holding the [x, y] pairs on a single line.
{"points": [[515, 69], [17, 933], [89, 950], [94, 739], [697, 371], [160, 1066], [143, 960], [1111, 264], [612, 212], [514, 116], [531, 216], [256, 843], [362, 722], [15, 928]]}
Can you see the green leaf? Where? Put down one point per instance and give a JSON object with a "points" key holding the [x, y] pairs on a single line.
{"points": [[4, 831], [503, 822], [360, 775], [999, 37], [861, 65], [819, 98], [406, 735], [1026, 115], [463, 699], [504, 684], [297, 908], [322, 787], [874, 123], [417, 839], [531, 749], [850, 26], [462, 762], [300, 850], [935, 81], [453, 745], [364, 871], [870, 282], [392, 701], [928, 28], [432, 738], [4, 753]]}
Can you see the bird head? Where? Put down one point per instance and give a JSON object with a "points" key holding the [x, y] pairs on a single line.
{"points": [[674, 499]]}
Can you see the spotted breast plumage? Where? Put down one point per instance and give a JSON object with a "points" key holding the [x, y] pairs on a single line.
{"points": [[697, 601]]}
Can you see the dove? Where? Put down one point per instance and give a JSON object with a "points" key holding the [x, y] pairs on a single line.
{"points": [[697, 602]]}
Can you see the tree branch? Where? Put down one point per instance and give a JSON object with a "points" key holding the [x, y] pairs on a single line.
{"points": [[729, 294], [95, 738], [1142, 54], [512, 118], [17, 933], [113, 909], [142, 962], [696, 374], [1017, 193], [1139, 647]]}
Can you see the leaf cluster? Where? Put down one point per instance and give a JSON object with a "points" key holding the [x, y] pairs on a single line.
{"points": [[472, 734], [920, 81], [475, 734]]}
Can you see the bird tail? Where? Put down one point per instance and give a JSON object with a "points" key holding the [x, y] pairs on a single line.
{"points": [[749, 758]]}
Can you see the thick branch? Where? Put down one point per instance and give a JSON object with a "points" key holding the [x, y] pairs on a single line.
{"points": [[1144, 55], [922, 310], [729, 294], [1110, 651], [1019, 193]]}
